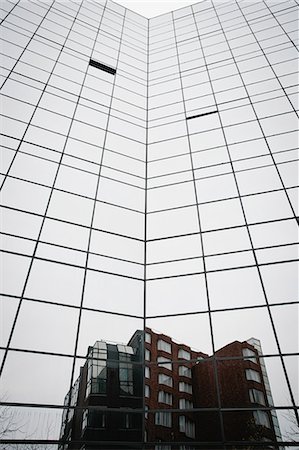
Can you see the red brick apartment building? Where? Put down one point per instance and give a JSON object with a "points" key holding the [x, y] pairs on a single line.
{"points": [[183, 390], [179, 378]]}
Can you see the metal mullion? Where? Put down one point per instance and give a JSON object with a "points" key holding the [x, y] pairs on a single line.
{"points": [[10, 11], [238, 142], [75, 307], [222, 65], [215, 200], [46, 209], [81, 195], [122, 154], [201, 243], [69, 264], [145, 246], [223, 163], [224, 90], [212, 148], [225, 269], [65, 247], [225, 126], [248, 230], [219, 229], [86, 268], [114, 313], [261, 129], [72, 223], [233, 252], [238, 308], [74, 167]]}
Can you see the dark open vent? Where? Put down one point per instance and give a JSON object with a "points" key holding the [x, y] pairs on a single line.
{"points": [[100, 66], [201, 115]]}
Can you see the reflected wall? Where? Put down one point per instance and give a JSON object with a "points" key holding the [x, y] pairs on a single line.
{"points": [[160, 196]]}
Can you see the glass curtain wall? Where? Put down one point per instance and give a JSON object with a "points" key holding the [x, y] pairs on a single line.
{"points": [[148, 186]]}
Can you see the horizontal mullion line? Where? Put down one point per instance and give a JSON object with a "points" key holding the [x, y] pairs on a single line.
{"points": [[149, 445], [224, 310], [79, 121], [232, 143], [233, 252], [69, 154], [228, 172], [149, 363], [234, 27], [190, 205], [65, 247], [70, 93], [120, 71], [76, 307], [221, 92], [219, 146], [209, 66], [288, 44], [69, 264], [224, 269], [232, 227], [71, 223], [201, 115], [84, 196], [210, 166], [214, 54]]}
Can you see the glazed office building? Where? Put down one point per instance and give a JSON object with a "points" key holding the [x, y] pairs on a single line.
{"points": [[148, 180]]}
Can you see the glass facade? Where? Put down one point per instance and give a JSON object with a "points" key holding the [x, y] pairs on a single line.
{"points": [[149, 180]]}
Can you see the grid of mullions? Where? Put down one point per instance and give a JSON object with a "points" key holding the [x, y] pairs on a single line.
{"points": [[120, 214]]}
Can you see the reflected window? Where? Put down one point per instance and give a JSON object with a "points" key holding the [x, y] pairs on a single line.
{"points": [[185, 371], [148, 338], [256, 396], [164, 362], [146, 391], [185, 387], [163, 419], [147, 355], [126, 378], [147, 372], [261, 418], [249, 355], [165, 346], [185, 404], [184, 354], [253, 375], [165, 397], [165, 379], [93, 419], [186, 426], [97, 369]]}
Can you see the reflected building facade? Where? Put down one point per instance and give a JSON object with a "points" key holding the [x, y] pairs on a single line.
{"points": [[148, 180], [175, 378]]}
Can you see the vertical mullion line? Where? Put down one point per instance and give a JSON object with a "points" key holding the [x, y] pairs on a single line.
{"points": [[95, 202], [9, 12], [247, 226], [42, 90], [201, 240], [47, 206], [279, 24], [145, 241], [295, 216], [286, 96]]}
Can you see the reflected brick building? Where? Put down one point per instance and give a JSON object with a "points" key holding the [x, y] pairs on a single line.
{"points": [[110, 379], [181, 399]]}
